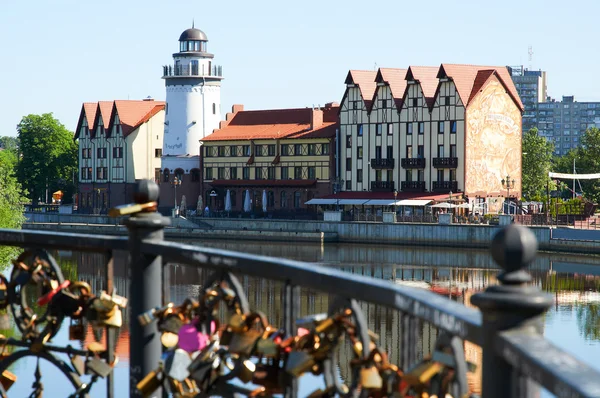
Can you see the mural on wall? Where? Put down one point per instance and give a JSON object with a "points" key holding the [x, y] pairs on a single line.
{"points": [[493, 142]]}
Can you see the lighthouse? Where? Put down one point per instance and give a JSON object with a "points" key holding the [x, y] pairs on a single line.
{"points": [[193, 102]]}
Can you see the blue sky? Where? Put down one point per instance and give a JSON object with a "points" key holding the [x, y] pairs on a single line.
{"points": [[58, 54]]}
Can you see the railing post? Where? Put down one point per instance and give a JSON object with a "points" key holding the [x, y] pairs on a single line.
{"points": [[510, 305], [145, 286]]}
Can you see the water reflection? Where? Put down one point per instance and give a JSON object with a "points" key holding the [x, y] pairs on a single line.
{"points": [[457, 274]]}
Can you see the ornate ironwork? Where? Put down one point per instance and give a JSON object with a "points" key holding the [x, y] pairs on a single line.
{"points": [[383, 163], [413, 163], [445, 163], [204, 357]]}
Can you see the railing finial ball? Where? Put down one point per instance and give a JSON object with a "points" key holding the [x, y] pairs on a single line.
{"points": [[514, 247], [146, 191]]}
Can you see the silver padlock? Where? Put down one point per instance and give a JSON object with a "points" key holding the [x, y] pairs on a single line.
{"points": [[177, 363]]}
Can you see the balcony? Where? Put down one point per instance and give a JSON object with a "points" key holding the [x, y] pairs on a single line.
{"points": [[413, 163], [192, 71], [413, 186], [382, 163], [382, 185], [445, 163], [445, 186]]}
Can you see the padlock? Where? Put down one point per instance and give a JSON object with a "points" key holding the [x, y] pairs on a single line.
{"points": [[176, 365], [203, 361], [237, 322], [111, 300], [370, 378], [329, 392], [3, 292], [299, 362], [98, 367], [150, 383], [76, 330], [190, 339], [245, 370], [244, 343], [66, 302], [77, 364], [4, 321], [422, 373], [168, 339], [170, 323], [7, 379], [266, 345], [114, 318]]}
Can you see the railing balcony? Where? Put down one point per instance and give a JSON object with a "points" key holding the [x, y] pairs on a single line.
{"points": [[382, 163], [445, 186], [382, 185], [413, 163], [413, 186], [445, 163], [192, 71]]}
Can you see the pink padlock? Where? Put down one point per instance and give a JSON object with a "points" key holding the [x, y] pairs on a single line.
{"points": [[191, 340]]}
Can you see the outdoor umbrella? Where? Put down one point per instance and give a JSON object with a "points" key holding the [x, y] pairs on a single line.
{"points": [[183, 206], [264, 201], [444, 205], [228, 201], [247, 205], [463, 206], [199, 207]]}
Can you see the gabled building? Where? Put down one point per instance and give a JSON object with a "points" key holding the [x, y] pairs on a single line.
{"points": [[451, 128], [120, 142], [287, 153]]}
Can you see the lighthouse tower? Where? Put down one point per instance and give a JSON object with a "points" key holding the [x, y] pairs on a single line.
{"points": [[193, 108]]}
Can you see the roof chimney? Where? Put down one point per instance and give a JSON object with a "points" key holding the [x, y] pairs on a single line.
{"points": [[148, 98], [316, 119]]}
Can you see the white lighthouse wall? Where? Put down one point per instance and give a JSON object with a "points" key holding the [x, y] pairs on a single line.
{"points": [[190, 118]]}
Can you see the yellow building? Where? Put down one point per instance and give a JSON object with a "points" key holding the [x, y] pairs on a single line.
{"points": [[279, 158]]}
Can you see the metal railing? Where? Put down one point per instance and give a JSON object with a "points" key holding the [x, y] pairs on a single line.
{"points": [[507, 327], [378, 163], [413, 163], [412, 186], [445, 186], [382, 185], [450, 163], [192, 71]]}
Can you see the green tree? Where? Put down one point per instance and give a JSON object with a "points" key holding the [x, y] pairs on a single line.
{"points": [[11, 202], [587, 161], [537, 162], [48, 157], [10, 143]]}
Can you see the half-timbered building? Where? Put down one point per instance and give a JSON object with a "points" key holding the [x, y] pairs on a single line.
{"points": [[289, 154], [120, 142], [430, 130]]}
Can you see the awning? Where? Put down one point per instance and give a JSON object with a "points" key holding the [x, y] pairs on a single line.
{"points": [[352, 201], [321, 202], [413, 202], [574, 176], [380, 202]]}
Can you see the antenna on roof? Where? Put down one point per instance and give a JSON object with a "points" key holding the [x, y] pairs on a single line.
{"points": [[192, 23], [530, 52], [375, 66]]}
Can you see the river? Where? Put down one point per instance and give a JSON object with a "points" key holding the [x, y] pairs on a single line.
{"points": [[572, 323]]}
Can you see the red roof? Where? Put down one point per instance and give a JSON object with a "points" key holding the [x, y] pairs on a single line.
{"points": [[103, 110], [395, 79], [276, 124], [88, 110], [367, 195], [427, 77], [464, 77], [133, 114], [365, 80]]}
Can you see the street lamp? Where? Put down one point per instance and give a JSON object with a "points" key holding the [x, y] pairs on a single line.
{"points": [[175, 182], [508, 184], [395, 196]]}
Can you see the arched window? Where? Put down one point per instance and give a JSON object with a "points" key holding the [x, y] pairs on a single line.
{"points": [[283, 202], [270, 199], [297, 199], [179, 174], [166, 175], [195, 173]]}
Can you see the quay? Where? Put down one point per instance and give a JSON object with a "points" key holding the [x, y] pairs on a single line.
{"points": [[566, 240]]}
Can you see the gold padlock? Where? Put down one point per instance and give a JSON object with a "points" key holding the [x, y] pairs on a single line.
{"points": [[246, 370], [3, 292], [114, 318], [422, 373], [150, 383], [370, 378], [7, 379]]}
